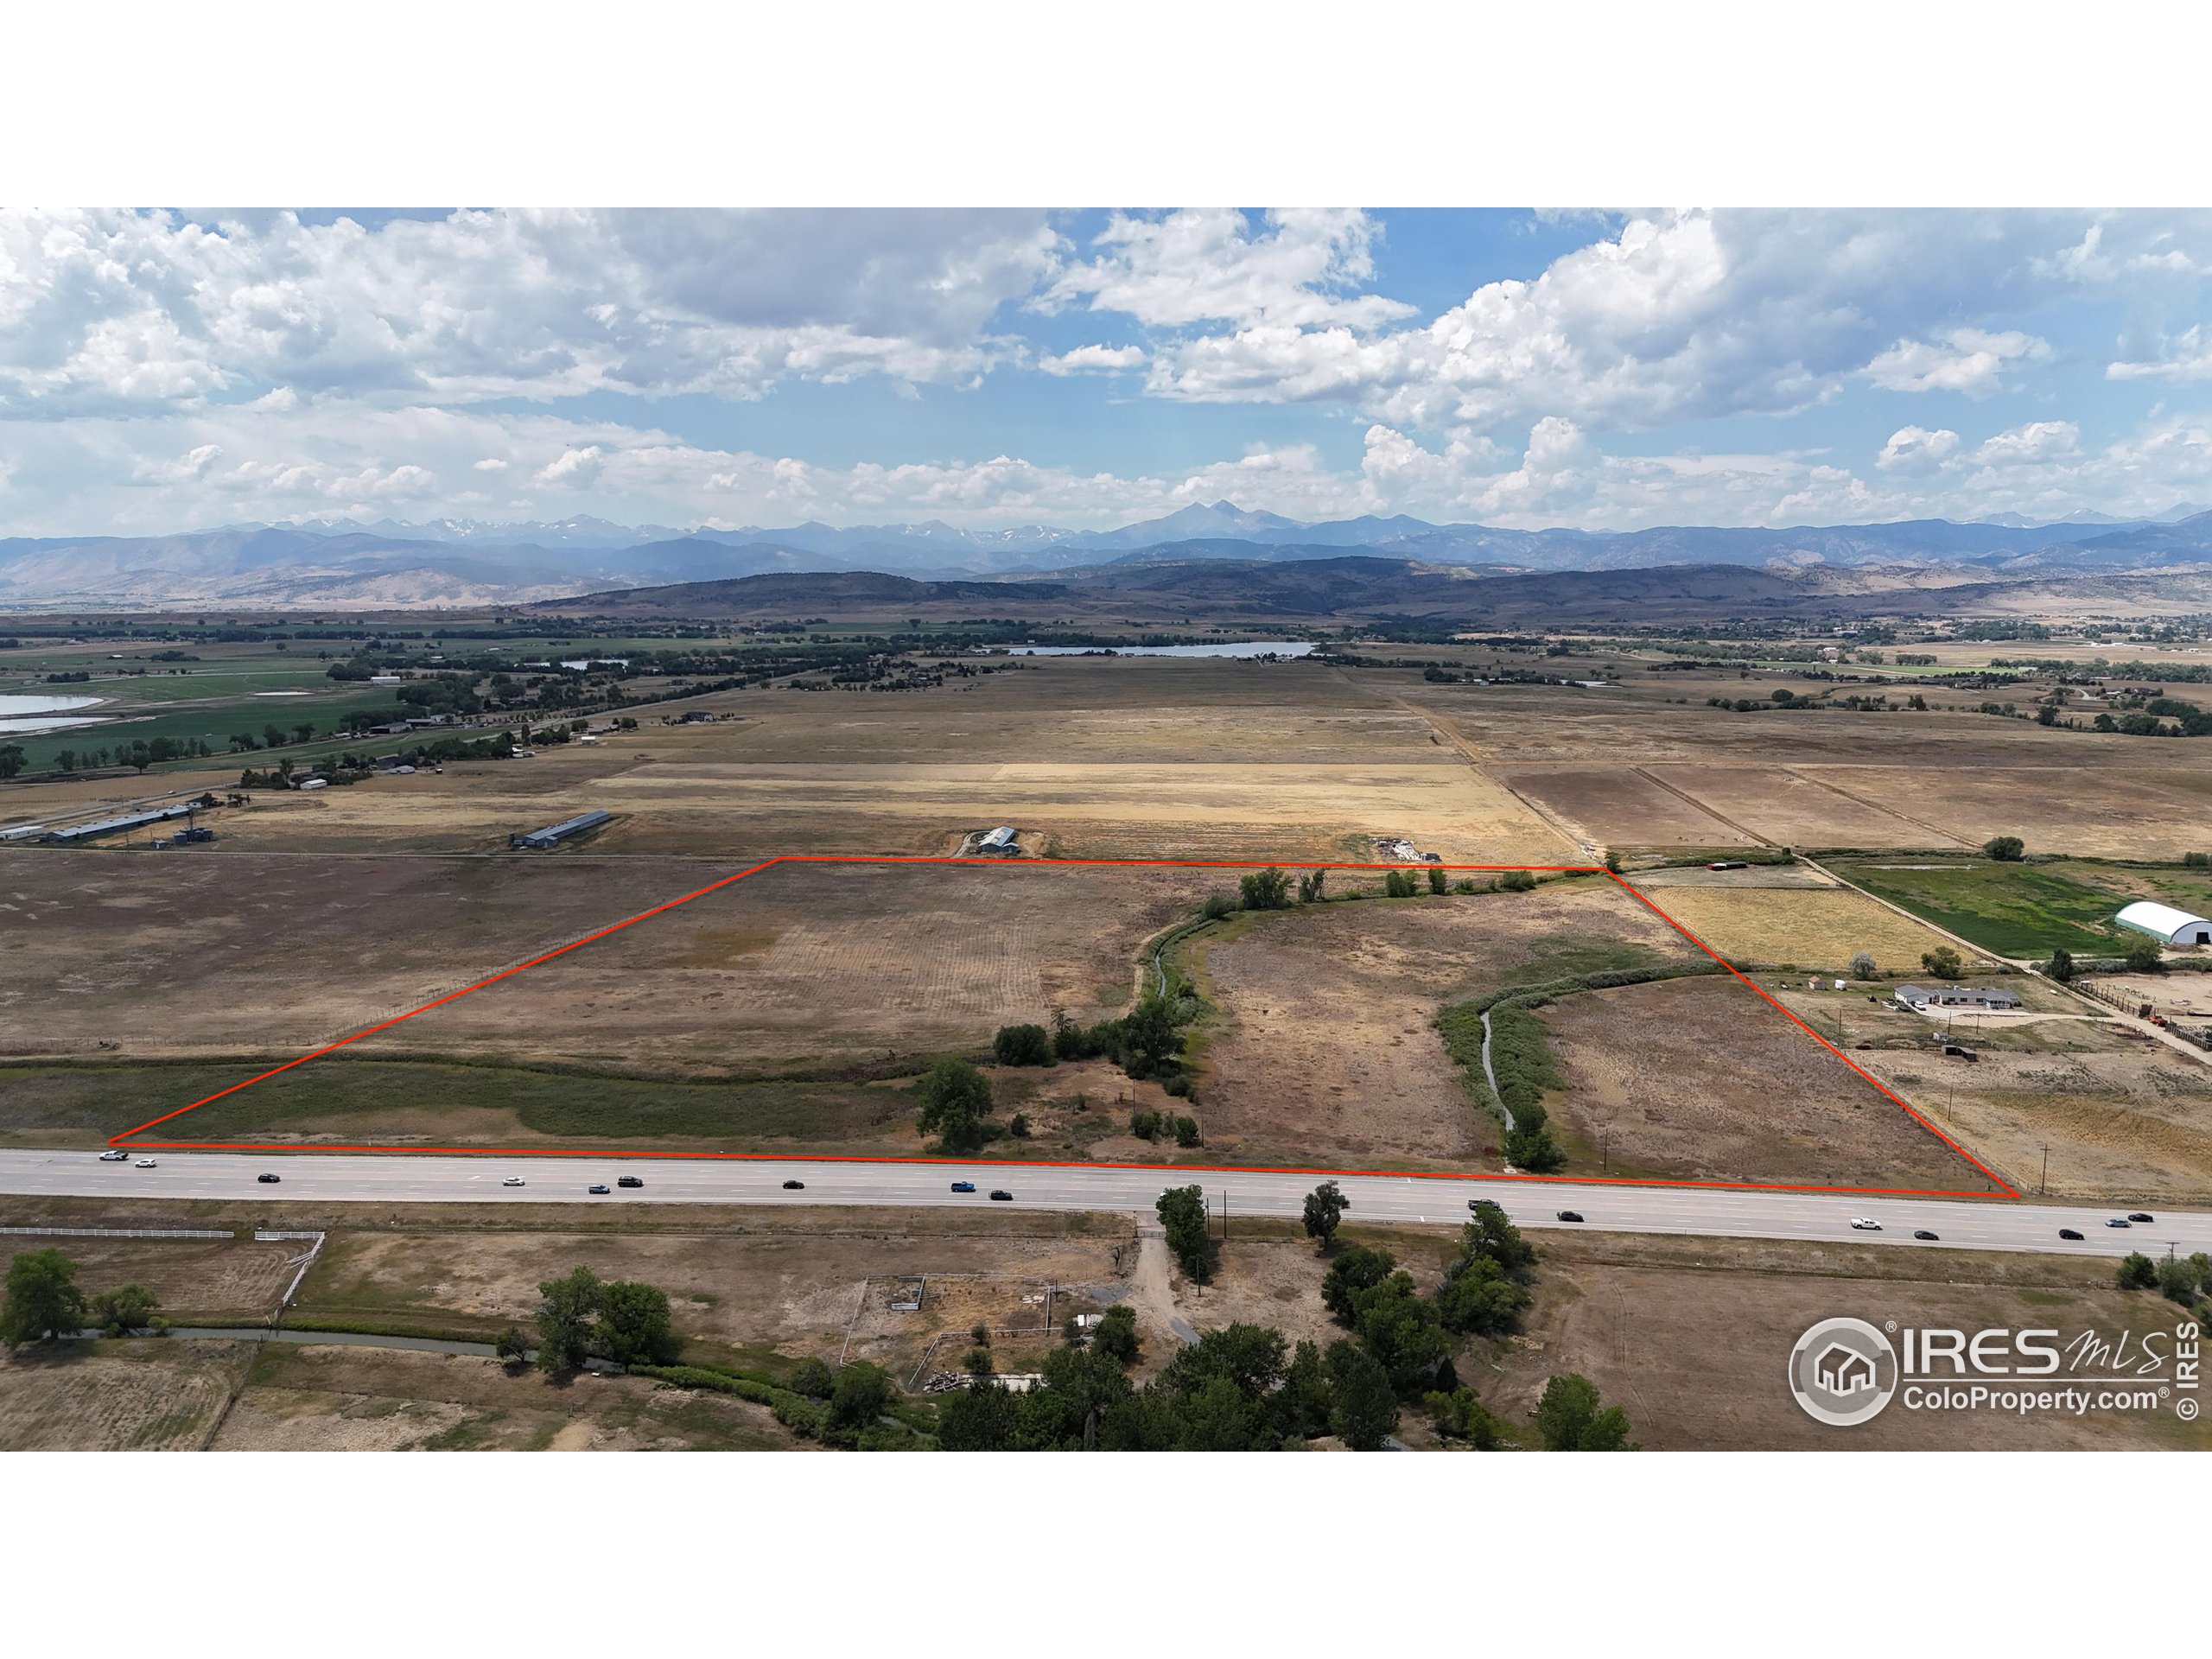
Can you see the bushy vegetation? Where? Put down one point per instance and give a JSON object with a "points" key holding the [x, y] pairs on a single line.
{"points": [[955, 1104], [1023, 1045], [584, 1317], [43, 1302]]}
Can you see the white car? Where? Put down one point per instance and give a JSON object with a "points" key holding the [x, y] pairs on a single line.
{"points": [[115, 1155], [1865, 1224], [147, 1163], [512, 1180]]}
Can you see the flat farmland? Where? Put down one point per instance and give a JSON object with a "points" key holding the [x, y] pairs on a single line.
{"points": [[1618, 806], [1791, 809], [1700, 1079], [1691, 1339], [2106, 809], [146, 1394], [1326, 1047], [1099, 756], [1808, 927], [826, 965]]}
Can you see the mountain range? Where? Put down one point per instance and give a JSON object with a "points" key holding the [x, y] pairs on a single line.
{"points": [[466, 564]]}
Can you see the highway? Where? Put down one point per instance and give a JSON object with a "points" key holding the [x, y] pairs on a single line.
{"points": [[1703, 1212]]}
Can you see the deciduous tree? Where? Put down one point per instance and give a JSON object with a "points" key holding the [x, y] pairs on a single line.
{"points": [[1182, 1211], [1324, 1209], [954, 1098], [43, 1299]]}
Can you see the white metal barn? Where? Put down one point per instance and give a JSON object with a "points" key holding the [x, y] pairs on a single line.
{"points": [[2165, 924]]}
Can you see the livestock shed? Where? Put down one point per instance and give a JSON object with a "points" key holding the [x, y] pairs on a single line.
{"points": [[553, 835], [2164, 923]]}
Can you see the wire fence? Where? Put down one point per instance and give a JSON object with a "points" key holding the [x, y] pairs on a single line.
{"points": [[120, 1232]]}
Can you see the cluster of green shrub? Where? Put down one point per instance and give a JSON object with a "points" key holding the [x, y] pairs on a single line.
{"points": [[856, 1409], [1150, 1125], [45, 1303], [2184, 1280], [1245, 1388], [1520, 1052]]}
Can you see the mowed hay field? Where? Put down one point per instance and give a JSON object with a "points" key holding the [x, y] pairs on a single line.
{"points": [[1701, 1079], [241, 954], [1325, 1047], [1808, 927], [145, 1394], [828, 965]]}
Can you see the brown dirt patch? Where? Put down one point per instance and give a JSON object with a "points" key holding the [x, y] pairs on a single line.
{"points": [[1327, 1051], [1700, 1079], [144, 1395], [324, 1399], [1696, 1358]]}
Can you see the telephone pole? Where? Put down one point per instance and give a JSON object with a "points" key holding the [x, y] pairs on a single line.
{"points": [[2043, 1179]]}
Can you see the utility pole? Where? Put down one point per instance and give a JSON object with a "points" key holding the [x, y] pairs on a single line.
{"points": [[2044, 1181]]}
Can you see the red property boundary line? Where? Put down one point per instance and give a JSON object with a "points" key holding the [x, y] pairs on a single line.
{"points": [[2002, 1186]]}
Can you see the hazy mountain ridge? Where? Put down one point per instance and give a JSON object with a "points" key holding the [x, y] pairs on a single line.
{"points": [[458, 561]]}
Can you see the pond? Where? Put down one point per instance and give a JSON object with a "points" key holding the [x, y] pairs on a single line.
{"points": [[21, 715]]}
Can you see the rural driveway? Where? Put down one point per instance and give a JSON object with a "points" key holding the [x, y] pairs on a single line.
{"points": [[1716, 1212]]}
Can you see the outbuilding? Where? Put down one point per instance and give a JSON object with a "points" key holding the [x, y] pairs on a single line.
{"points": [[2165, 924]]}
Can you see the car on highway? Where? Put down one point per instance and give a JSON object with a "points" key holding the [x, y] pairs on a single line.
{"points": [[1865, 1224], [1922, 1234], [512, 1180], [599, 1186], [146, 1163], [963, 1186], [1002, 1195], [628, 1180], [115, 1155], [2140, 1215], [268, 1180], [794, 1186], [1570, 1215], [2068, 1232], [2116, 1221]]}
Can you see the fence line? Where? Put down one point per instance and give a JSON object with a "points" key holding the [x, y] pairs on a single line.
{"points": [[118, 1232]]}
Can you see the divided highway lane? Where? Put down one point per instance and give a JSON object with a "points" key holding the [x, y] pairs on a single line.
{"points": [[409, 1179]]}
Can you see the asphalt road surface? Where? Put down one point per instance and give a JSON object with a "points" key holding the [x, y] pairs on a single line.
{"points": [[408, 1178]]}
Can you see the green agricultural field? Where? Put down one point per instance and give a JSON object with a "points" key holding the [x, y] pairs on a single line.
{"points": [[2015, 909]]}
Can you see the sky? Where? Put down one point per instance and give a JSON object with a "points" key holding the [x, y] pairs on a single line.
{"points": [[164, 370]]}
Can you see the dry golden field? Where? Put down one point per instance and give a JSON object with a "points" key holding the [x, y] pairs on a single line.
{"points": [[1809, 927], [2125, 1117], [1701, 1079], [1325, 1046]]}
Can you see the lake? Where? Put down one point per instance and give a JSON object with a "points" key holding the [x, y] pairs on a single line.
{"points": [[22, 716]]}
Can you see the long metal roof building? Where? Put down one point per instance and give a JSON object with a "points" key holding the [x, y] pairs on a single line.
{"points": [[540, 840], [116, 826]]}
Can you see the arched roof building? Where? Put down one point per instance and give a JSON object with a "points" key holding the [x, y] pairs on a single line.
{"points": [[2164, 923]]}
